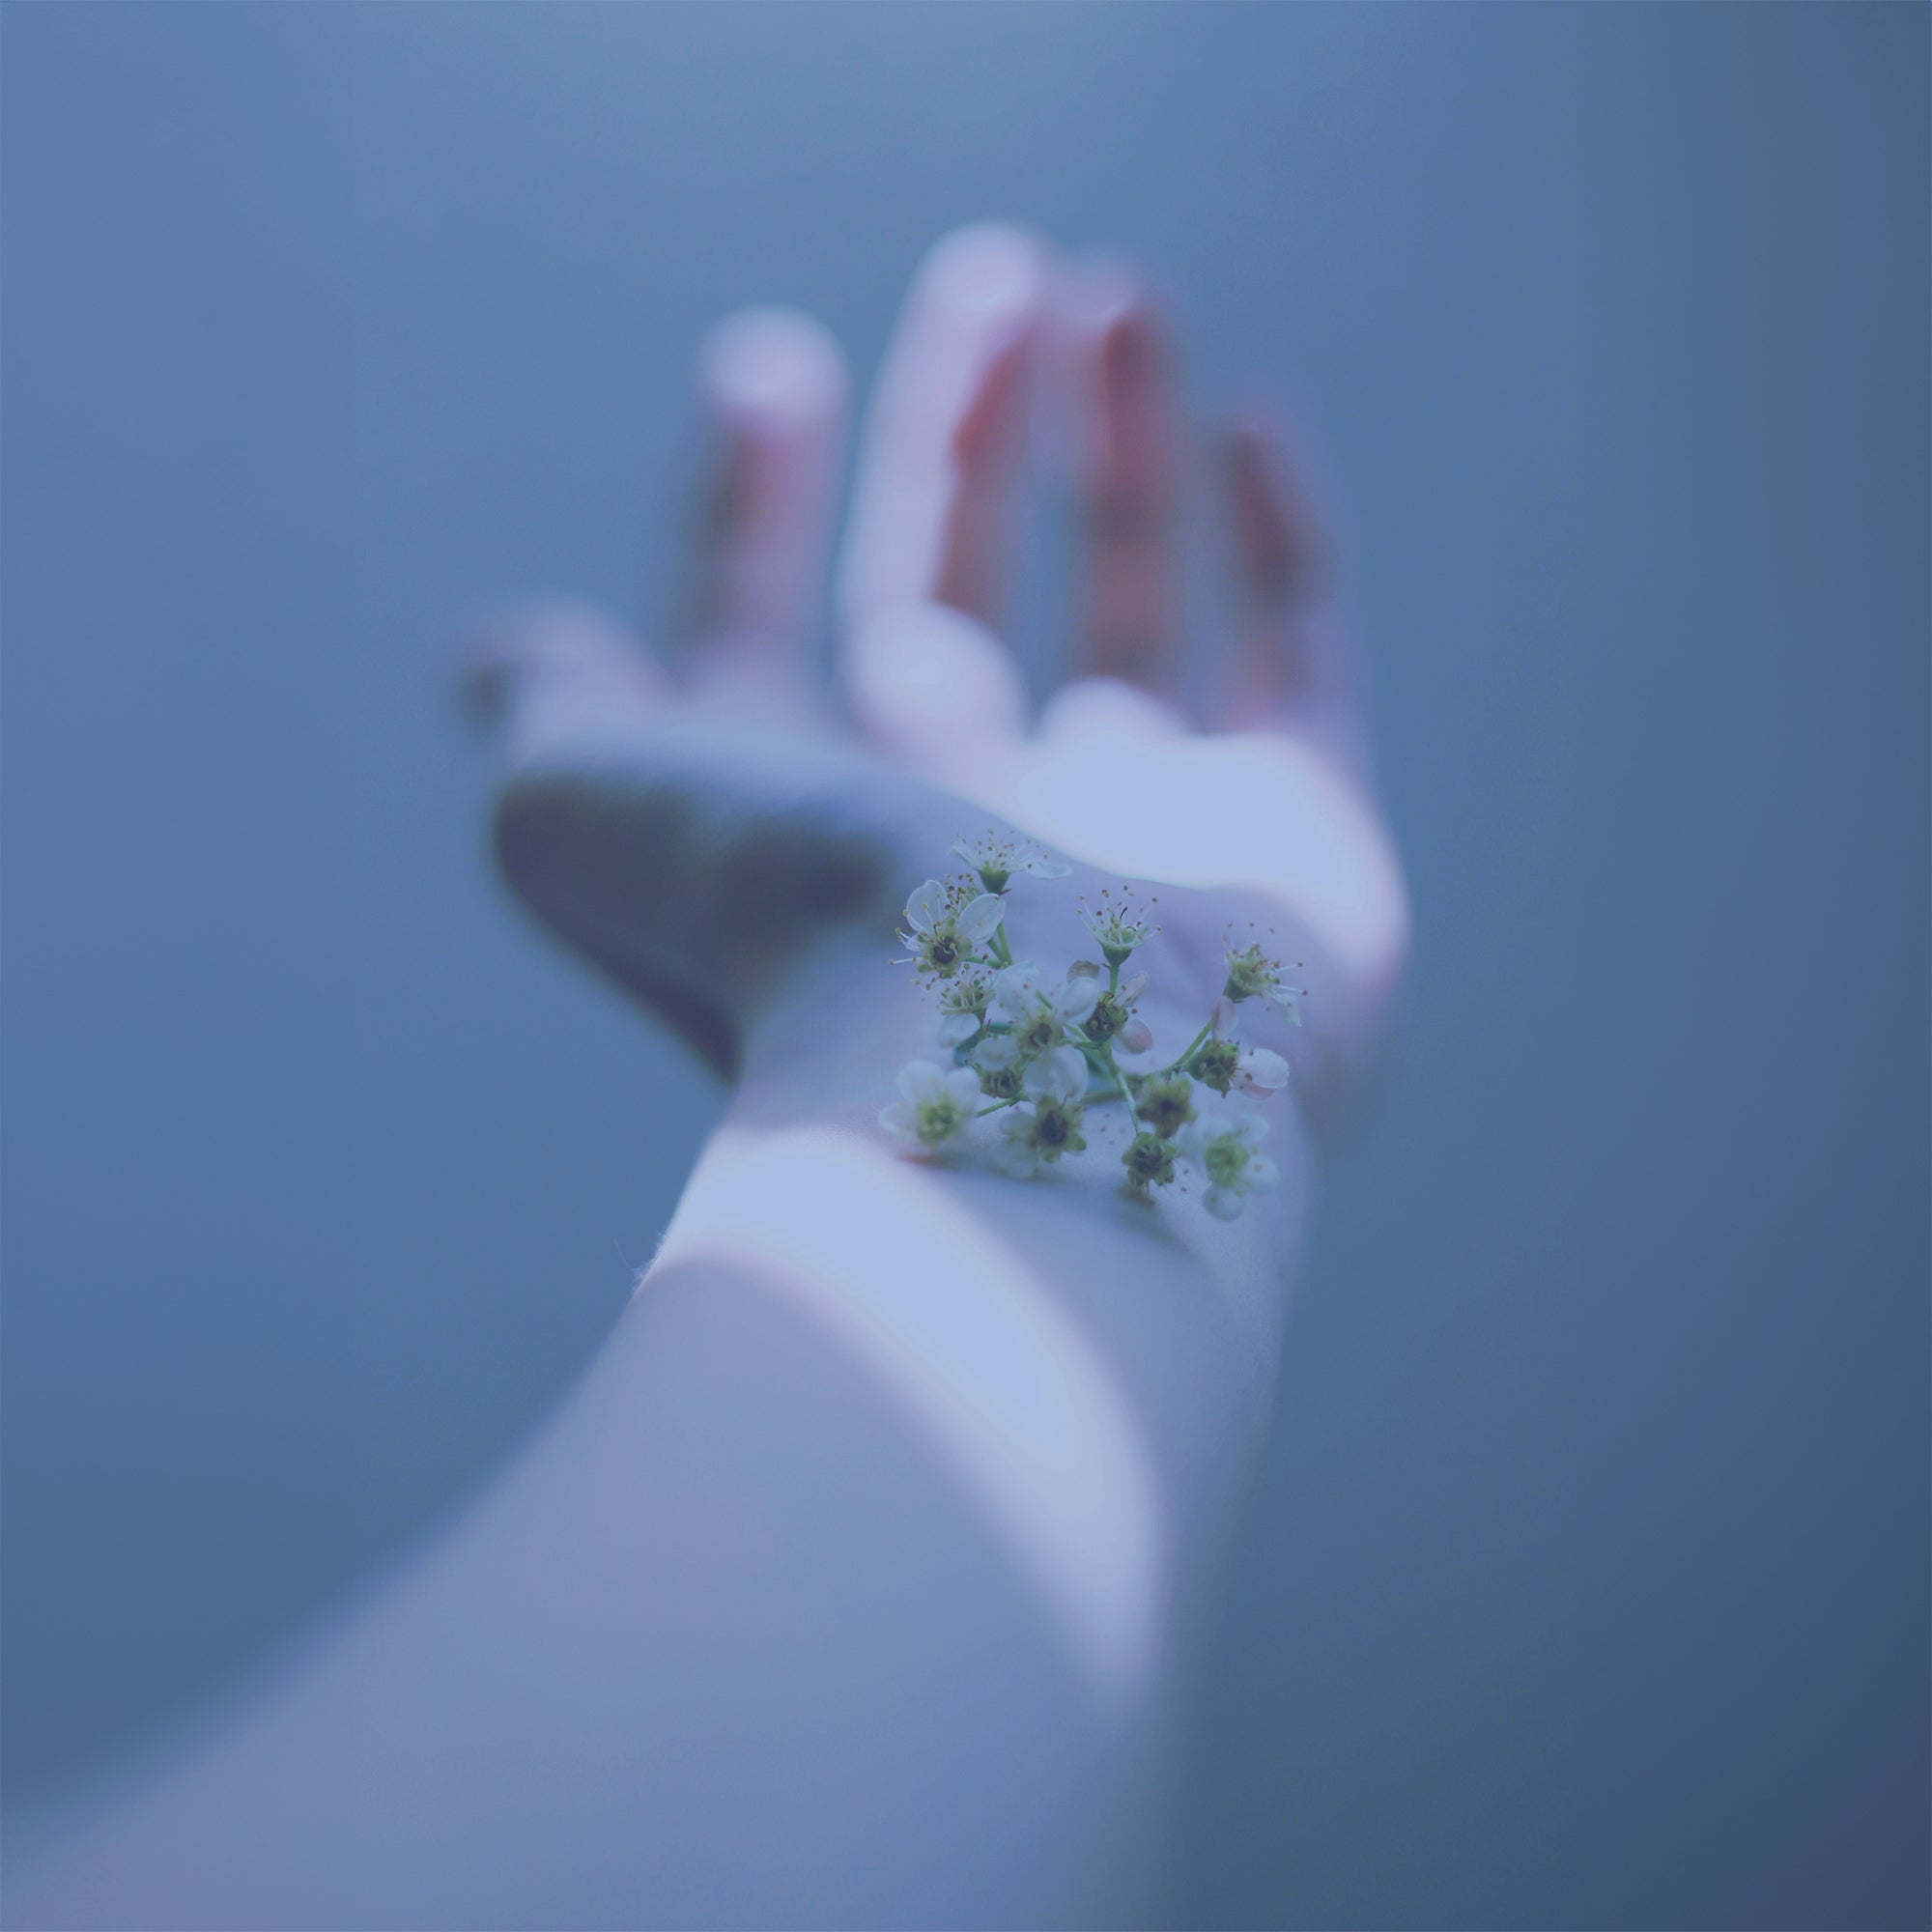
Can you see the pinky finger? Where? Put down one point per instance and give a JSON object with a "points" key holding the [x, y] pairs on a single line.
{"points": [[1293, 666]]}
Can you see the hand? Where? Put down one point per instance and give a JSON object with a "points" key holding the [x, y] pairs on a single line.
{"points": [[960, 1450], [699, 826]]}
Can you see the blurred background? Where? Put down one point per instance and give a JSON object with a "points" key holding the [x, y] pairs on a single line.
{"points": [[1588, 1578]]}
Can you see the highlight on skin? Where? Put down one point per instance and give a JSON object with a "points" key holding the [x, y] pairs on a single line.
{"points": [[982, 1357]]}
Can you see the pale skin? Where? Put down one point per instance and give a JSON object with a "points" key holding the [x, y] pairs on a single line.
{"points": [[855, 1583]]}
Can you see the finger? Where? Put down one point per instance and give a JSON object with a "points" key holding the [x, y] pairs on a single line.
{"points": [[773, 385], [932, 506], [1292, 667], [946, 431], [553, 673], [1127, 460]]}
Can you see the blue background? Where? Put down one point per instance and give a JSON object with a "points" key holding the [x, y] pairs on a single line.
{"points": [[1587, 1581]]}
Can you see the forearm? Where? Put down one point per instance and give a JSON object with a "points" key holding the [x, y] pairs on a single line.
{"points": [[847, 1584], [1052, 1329]]}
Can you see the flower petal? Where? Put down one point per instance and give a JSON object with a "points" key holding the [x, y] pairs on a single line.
{"points": [[1060, 1073], [1260, 1175], [925, 906], [901, 1119], [1251, 1127], [1261, 1071], [1012, 1152], [981, 918], [1223, 1204], [997, 1052], [1084, 969], [1075, 1000], [1044, 868], [962, 1089], [1136, 1037], [1015, 991], [1223, 1021], [956, 1029], [919, 1080]]}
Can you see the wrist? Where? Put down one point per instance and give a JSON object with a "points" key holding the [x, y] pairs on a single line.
{"points": [[1034, 1328], [824, 1057]]}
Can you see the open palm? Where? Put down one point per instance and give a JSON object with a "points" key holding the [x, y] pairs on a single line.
{"points": [[692, 823]]}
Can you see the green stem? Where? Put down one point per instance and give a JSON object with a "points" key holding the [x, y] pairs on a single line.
{"points": [[1101, 1057], [1192, 1048]]}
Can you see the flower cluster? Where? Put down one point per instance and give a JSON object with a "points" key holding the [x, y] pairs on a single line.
{"points": [[1038, 1054]]}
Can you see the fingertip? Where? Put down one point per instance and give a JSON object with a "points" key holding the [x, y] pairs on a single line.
{"points": [[1113, 310], [987, 268], [774, 364]]}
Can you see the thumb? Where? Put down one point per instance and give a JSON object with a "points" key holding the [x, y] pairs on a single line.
{"points": [[558, 673], [548, 682]]}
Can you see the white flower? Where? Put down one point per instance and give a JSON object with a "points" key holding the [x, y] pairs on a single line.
{"points": [[1041, 1015], [1260, 1071], [948, 924], [1224, 1062], [963, 1006], [1013, 1151], [996, 859], [1031, 1136], [997, 1052], [1224, 1150], [1116, 925], [1253, 976], [1014, 990], [1074, 998], [997, 1057], [1060, 1075], [937, 1106]]}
